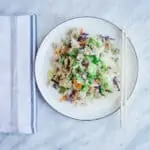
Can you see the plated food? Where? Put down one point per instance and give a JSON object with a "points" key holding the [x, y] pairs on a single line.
{"points": [[100, 103], [84, 66]]}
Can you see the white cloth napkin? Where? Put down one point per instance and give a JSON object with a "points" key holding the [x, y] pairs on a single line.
{"points": [[17, 84]]}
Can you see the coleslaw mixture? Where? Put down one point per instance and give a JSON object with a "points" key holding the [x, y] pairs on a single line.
{"points": [[84, 66]]}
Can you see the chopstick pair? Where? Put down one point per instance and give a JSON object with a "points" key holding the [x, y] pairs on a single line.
{"points": [[123, 101]]}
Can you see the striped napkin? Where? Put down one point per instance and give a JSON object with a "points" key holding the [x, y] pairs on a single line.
{"points": [[17, 84]]}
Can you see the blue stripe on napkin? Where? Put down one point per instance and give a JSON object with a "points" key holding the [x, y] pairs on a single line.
{"points": [[33, 86]]}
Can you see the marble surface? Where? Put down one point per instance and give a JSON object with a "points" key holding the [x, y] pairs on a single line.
{"points": [[56, 132]]}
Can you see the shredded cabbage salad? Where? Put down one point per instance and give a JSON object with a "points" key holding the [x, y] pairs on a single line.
{"points": [[84, 66]]}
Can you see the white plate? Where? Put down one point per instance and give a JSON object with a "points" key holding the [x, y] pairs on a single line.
{"points": [[97, 108]]}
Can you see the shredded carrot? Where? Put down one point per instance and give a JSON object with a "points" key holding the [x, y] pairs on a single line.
{"points": [[77, 84], [81, 30], [64, 98]]}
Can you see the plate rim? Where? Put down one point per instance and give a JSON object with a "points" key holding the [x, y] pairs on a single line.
{"points": [[37, 55]]}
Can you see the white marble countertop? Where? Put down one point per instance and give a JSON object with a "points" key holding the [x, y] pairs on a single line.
{"points": [[56, 132]]}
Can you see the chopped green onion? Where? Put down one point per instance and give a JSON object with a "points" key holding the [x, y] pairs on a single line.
{"points": [[102, 90], [62, 89], [92, 69], [93, 58], [92, 76], [90, 81], [115, 51], [50, 75], [85, 88], [95, 42], [75, 51], [104, 68], [71, 54], [62, 59]]}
